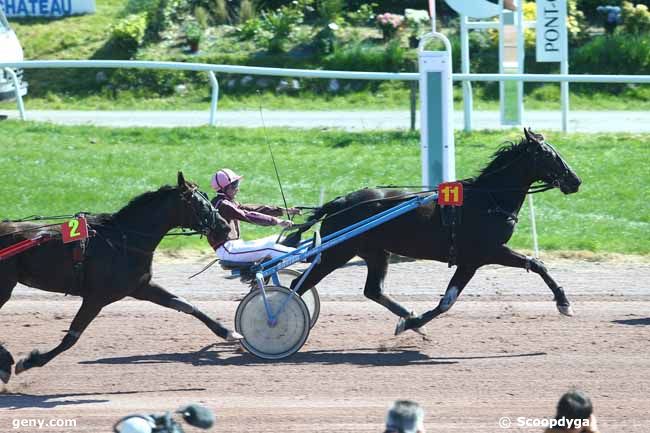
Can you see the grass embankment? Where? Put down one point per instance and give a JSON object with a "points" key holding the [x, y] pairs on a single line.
{"points": [[86, 37], [51, 170]]}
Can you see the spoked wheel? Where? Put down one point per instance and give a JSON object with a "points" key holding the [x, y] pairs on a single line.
{"points": [[310, 297], [273, 339]]}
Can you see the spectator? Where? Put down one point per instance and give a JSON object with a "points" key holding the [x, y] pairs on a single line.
{"points": [[574, 414], [405, 417]]}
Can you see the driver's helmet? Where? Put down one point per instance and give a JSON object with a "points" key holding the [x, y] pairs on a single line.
{"points": [[224, 177]]}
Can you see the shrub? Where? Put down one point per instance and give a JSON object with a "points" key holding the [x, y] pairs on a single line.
{"points": [[193, 33], [618, 54], [128, 34], [330, 10], [202, 16], [636, 19], [389, 24], [363, 56], [246, 11], [220, 12], [363, 16], [275, 27]]}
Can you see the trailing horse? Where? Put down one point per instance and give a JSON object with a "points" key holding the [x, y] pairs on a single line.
{"points": [[492, 201], [116, 262]]}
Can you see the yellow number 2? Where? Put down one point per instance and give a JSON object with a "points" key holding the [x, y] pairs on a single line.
{"points": [[74, 226]]}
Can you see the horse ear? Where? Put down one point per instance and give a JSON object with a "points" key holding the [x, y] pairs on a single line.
{"points": [[529, 134], [181, 179]]}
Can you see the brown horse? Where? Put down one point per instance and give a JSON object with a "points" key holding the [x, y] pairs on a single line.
{"points": [[489, 214], [117, 261]]}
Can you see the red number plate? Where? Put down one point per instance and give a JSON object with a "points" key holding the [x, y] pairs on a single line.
{"points": [[450, 194], [74, 230]]}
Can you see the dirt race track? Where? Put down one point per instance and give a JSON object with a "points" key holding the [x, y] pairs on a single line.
{"points": [[502, 351]]}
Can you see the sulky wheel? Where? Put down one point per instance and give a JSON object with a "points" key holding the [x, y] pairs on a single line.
{"points": [[269, 340], [310, 297]]}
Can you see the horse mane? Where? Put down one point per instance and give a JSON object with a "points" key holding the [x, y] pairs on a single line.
{"points": [[143, 200], [503, 157]]}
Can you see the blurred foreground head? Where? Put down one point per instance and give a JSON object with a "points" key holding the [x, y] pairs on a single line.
{"points": [[405, 416]]}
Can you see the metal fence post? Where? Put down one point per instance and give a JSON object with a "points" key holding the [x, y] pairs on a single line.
{"points": [[19, 98], [215, 98]]}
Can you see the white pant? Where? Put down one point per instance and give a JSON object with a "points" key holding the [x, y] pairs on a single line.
{"points": [[252, 251]]}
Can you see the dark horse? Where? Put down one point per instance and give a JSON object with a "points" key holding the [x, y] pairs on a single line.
{"points": [[117, 261], [492, 201]]}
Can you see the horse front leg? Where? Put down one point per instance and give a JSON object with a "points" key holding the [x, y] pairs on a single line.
{"points": [[86, 314], [159, 296], [508, 257], [462, 276], [6, 287]]}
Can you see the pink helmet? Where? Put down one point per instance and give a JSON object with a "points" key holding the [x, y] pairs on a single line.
{"points": [[224, 177]]}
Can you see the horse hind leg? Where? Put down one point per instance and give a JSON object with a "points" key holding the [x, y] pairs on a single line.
{"points": [[7, 284], [377, 263], [86, 314], [159, 296]]}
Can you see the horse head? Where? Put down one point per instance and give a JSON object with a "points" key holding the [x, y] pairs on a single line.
{"points": [[549, 166], [202, 216]]}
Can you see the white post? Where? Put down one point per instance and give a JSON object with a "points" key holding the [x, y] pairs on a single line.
{"points": [[564, 91], [533, 225], [436, 109], [19, 97], [468, 101], [215, 98]]}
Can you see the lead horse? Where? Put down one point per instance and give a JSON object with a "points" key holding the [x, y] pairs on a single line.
{"points": [[492, 201], [117, 261]]}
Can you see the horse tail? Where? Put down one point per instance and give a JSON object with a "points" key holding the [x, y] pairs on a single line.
{"points": [[318, 214]]}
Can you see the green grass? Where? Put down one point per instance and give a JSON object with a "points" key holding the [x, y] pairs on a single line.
{"points": [[51, 170]]}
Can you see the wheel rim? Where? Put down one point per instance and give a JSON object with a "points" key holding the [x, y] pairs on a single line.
{"points": [[273, 341], [310, 297]]}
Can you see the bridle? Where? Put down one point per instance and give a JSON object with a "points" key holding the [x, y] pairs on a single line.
{"points": [[198, 200]]}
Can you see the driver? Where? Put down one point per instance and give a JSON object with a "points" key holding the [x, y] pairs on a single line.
{"points": [[225, 182]]}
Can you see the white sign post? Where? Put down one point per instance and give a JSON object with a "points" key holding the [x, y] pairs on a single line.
{"points": [[47, 8]]}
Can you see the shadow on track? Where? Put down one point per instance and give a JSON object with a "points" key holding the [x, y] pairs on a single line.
{"points": [[227, 354], [645, 321], [14, 401]]}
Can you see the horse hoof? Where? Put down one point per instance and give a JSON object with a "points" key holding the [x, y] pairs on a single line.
{"points": [[234, 336], [401, 326], [566, 310], [20, 367], [5, 376]]}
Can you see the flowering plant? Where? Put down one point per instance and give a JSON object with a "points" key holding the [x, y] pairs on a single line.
{"points": [[389, 24]]}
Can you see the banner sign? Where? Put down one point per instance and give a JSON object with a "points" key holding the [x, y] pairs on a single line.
{"points": [[551, 30], [47, 8]]}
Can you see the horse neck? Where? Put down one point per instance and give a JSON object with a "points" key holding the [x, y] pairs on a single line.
{"points": [[508, 187], [145, 225]]}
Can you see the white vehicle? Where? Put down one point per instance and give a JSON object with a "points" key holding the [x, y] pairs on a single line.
{"points": [[10, 51]]}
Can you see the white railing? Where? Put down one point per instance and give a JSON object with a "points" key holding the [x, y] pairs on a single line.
{"points": [[306, 73]]}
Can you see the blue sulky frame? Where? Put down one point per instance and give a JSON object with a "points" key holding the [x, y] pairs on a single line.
{"points": [[314, 248]]}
